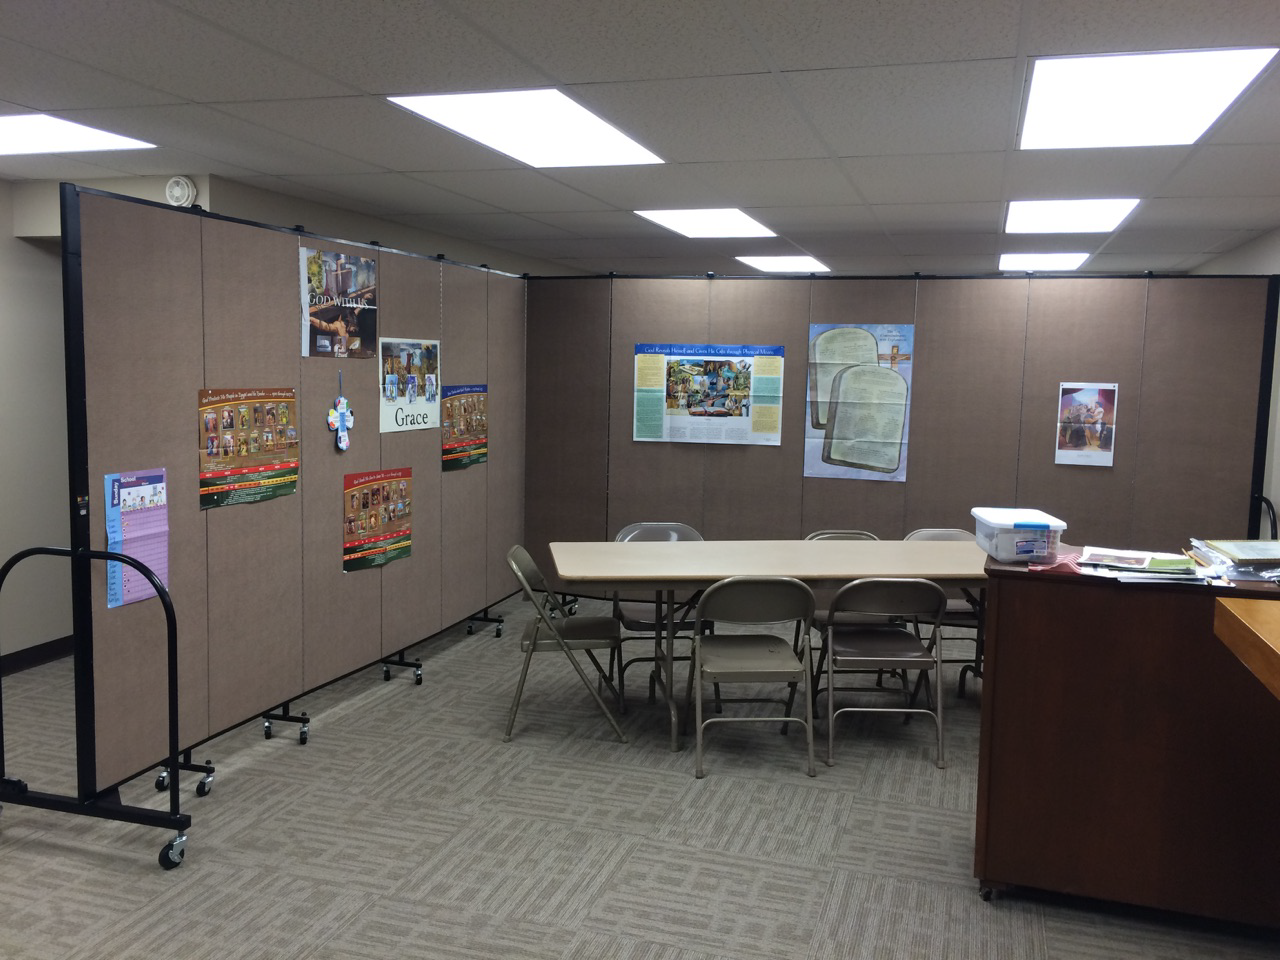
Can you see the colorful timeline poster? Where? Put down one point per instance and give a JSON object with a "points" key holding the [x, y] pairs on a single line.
{"points": [[339, 304], [248, 445], [376, 513], [465, 430], [708, 393], [410, 385], [137, 525], [859, 400], [1086, 424]]}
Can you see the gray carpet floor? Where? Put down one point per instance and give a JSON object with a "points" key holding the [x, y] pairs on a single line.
{"points": [[405, 827]]}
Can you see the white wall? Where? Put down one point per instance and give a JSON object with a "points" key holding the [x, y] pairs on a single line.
{"points": [[35, 604]]}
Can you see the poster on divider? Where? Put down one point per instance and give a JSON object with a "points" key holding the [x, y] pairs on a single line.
{"points": [[249, 447], [339, 304], [410, 385], [377, 507], [465, 427], [858, 401], [137, 515], [1086, 424], [708, 393]]}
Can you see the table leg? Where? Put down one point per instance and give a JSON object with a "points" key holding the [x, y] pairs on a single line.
{"points": [[664, 666]]}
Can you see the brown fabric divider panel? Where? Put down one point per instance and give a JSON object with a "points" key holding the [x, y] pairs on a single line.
{"points": [[1198, 410], [506, 428], [342, 613], [652, 480], [566, 415], [873, 505], [252, 315], [752, 492], [967, 399], [1087, 330], [144, 345], [409, 297], [464, 493]]}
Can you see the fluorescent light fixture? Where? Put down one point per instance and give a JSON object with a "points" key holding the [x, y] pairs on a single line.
{"points": [[1066, 216], [542, 128], [39, 133], [786, 264], [723, 222], [1042, 261], [1134, 100]]}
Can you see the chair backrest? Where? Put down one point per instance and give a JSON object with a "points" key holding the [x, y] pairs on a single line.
{"points": [[657, 530], [940, 533], [546, 604], [841, 535], [757, 600], [907, 598]]}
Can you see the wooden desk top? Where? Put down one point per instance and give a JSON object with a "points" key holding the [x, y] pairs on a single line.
{"points": [[1251, 629], [698, 563]]}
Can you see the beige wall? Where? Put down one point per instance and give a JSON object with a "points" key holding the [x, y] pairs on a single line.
{"points": [[35, 605]]}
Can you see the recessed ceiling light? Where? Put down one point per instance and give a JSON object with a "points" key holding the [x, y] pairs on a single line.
{"points": [[39, 133], [1134, 100], [1066, 216], [1042, 261], [725, 222], [542, 128], [786, 264]]}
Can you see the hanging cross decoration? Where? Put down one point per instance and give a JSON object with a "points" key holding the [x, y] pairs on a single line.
{"points": [[341, 419]]}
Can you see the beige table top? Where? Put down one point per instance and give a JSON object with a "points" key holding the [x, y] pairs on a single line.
{"points": [[698, 563], [1251, 629]]}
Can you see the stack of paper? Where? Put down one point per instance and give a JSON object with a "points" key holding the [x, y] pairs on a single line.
{"points": [[1140, 565]]}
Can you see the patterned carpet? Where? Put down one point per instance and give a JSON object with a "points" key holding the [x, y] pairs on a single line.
{"points": [[405, 827]]}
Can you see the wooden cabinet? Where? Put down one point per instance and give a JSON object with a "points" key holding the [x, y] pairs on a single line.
{"points": [[1126, 753]]}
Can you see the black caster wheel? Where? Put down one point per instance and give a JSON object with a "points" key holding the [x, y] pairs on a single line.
{"points": [[266, 729], [204, 787], [162, 781], [386, 673], [986, 893], [471, 628], [172, 855], [417, 676], [573, 609], [303, 732], [499, 630]]}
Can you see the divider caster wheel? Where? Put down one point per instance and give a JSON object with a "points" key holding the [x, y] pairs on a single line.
{"points": [[304, 731], [499, 630], [417, 676], [162, 780], [266, 729], [471, 628], [573, 609], [174, 852], [986, 893], [205, 786], [386, 672]]}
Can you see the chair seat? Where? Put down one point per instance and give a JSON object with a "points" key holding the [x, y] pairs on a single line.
{"points": [[580, 633], [749, 658], [878, 648]]}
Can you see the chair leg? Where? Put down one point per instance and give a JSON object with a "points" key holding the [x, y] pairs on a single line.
{"points": [[515, 703], [605, 680], [697, 747], [586, 682]]}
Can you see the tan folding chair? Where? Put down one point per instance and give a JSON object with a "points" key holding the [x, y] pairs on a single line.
{"points": [[966, 609], [554, 628], [753, 657], [905, 623]]}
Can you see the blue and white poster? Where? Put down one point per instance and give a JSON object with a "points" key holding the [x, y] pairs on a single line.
{"points": [[708, 393], [137, 513]]}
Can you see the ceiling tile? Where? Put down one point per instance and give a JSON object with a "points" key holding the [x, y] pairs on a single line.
{"points": [[940, 217], [1090, 174], [927, 178], [927, 108], [706, 118], [1233, 171], [524, 191]]}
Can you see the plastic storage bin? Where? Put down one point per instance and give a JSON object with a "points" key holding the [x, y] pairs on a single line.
{"points": [[1014, 535]]}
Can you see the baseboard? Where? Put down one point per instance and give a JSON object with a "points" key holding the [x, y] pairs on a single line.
{"points": [[28, 657]]}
